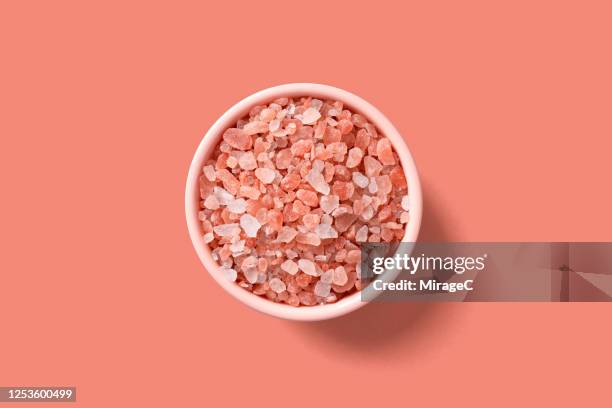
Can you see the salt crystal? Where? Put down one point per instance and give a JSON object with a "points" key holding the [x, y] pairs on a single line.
{"points": [[373, 186], [385, 152], [223, 196], [362, 234], [340, 277], [307, 266], [237, 206], [247, 161], [250, 225], [211, 202], [406, 203], [329, 203], [290, 267], [286, 234], [322, 289], [310, 116], [251, 275], [354, 157], [226, 230], [309, 238], [238, 246], [277, 285], [326, 231], [360, 180], [317, 181], [208, 237], [209, 172], [237, 138], [229, 273], [255, 127], [265, 175], [274, 125], [372, 166], [404, 217], [327, 276], [232, 162]]}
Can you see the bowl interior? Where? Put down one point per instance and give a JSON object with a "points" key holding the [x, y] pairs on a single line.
{"points": [[206, 149]]}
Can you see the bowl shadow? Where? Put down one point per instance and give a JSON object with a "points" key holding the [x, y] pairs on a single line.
{"points": [[379, 325]]}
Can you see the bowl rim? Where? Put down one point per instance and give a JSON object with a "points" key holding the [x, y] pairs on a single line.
{"points": [[208, 144]]}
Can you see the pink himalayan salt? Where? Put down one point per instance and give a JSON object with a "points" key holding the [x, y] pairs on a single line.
{"points": [[310, 116], [372, 166], [385, 152], [277, 285], [265, 175], [250, 225], [290, 267], [327, 161], [237, 138], [308, 197], [354, 157], [307, 266]]}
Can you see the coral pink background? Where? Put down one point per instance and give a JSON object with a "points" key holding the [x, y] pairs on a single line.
{"points": [[505, 105]]}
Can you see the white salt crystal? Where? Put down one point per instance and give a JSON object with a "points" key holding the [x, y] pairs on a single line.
{"points": [[360, 180], [229, 273], [237, 206], [328, 276], [307, 266], [310, 116], [322, 289], [226, 230], [223, 196], [340, 276], [250, 225], [277, 285], [211, 202]]}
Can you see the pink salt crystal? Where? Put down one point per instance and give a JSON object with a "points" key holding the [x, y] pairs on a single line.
{"points": [[299, 208], [290, 267], [387, 235], [342, 173], [267, 114], [209, 172], [301, 147], [274, 125], [319, 130], [332, 135], [208, 237], [385, 152], [354, 157], [322, 289], [249, 192], [327, 276], [353, 256], [265, 175], [373, 187], [283, 159], [309, 238], [307, 298], [345, 126], [309, 198], [307, 266], [293, 300], [384, 184], [286, 234], [275, 220], [344, 190], [344, 221], [326, 231], [255, 127], [247, 161], [338, 150], [367, 213], [310, 116], [237, 139], [290, 182], [406, 203], [384, 213], [397, 177], [358, 120], [372, 166], [211, 202], [317, 181], [404, 217], [362, 139], [362, 234], [311, 220], [250, 225], [329, 203], [277, 285]]}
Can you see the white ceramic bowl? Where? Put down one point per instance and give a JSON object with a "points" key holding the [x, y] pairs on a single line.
{"points": [[212, 138]]}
